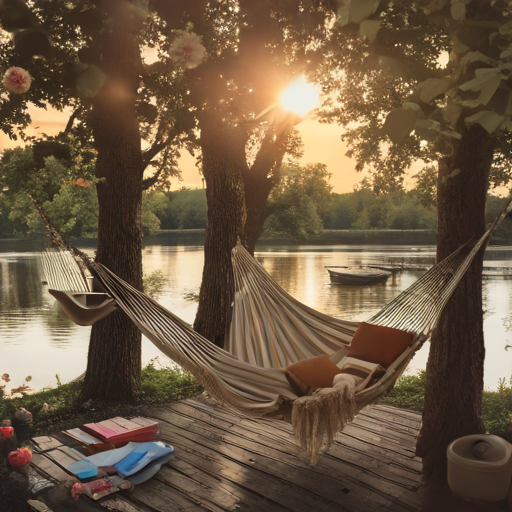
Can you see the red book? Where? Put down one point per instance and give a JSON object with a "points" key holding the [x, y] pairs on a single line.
{"points": [[117, 430]]}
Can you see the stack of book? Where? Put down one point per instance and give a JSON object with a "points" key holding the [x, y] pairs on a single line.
{"points": [[115, 431]]}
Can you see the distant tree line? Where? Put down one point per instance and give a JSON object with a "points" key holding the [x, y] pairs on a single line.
{"points": [[300, 205]]}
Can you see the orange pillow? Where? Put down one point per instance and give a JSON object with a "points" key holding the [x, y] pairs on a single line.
{"points": [[378, 344], [315, 372]]}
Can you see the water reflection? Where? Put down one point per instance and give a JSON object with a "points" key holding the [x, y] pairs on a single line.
{"points": [[37, 339]]}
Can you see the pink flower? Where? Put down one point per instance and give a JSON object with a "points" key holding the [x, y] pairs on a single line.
{"points": [[76, 490], [187, 50], [17, 80]]}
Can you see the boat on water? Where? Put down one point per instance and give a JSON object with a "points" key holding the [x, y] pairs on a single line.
{"points": [[358, 276]]}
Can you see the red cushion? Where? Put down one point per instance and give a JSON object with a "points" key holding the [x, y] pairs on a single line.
{"points": [[378, 344], [316, 372]]}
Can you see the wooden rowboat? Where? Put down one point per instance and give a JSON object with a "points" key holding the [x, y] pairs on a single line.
{"points": [[358, 276]]}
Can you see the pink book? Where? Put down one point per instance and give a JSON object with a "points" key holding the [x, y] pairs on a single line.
{"points": [[116, 430]]}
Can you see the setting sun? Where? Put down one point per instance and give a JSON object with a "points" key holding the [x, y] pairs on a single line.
{"points": [[299, 97]]}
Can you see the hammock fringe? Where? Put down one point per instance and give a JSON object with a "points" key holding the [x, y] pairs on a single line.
{"points": [[318, 418]]}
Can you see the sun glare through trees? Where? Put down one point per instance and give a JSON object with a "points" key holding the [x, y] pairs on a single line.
{"points": [[299, 97]]}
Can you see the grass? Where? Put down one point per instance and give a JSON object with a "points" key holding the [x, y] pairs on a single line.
{"points": [[409, 394], [58, 408]]}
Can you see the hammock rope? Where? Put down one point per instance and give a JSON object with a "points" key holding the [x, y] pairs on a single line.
{"points": [[270, 330]]}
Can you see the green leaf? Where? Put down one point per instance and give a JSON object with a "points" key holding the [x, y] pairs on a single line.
{"points": [[506, 54], [471, 57], [400, 123], [487, 81], [488, 119], [89, 79], [361, 9], [344, 13], [31, 41], [427, 129], [16, 15], [451, 133], [501, 102], [506, 29], [435, 5], [507, 125], [355, 11], [433, 87], [458, 46], [411, 105], [458, 10], [369, 29]]}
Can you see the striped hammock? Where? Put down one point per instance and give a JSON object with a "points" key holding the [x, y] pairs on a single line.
{"points": [[270, 330]]}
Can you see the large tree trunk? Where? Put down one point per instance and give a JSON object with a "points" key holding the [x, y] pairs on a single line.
{"points": [[223, 151], [114, 361], [455, 366]]}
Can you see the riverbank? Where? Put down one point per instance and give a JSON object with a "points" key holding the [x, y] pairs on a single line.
{"points": [[407, 237], [326, 237], [58, 408]]}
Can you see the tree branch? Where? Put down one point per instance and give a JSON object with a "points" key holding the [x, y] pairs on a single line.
{"points": [[149, 182], [71, 120], [151, 152]]}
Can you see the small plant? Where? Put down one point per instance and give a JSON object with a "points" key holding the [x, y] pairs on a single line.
{"points": [[409, 393], [166, 383], [6, 396]]}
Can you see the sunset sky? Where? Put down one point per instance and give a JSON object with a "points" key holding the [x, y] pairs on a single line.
{"points": [[322, 144]]}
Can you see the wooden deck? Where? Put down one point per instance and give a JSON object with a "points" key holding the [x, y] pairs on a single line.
{"points": [[225, 462]]}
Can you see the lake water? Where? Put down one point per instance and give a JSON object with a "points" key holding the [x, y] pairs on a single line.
{"points": [[37, 339]]}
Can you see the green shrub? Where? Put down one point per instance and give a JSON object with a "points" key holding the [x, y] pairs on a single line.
{"points": [[497, 410], [409, 394], [59, 408]]}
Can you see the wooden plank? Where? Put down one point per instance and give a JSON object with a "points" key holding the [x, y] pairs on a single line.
{"points": [[350, 443], [387, 425], [371, 439], [119, 503], [161, 497], [405, 440], [46, 443], [285, 466], [386, 461], [242, 498], [380, 453], [182, 495], [49, 468], [228, 462], [357, 457], [392, 419], [397, 412], [290, 488]]}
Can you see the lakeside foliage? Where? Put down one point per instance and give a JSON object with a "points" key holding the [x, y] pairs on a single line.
{"points": [[58, 408], [300, 205], [409, 393]]}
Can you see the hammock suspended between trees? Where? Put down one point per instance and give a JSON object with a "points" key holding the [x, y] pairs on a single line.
{"points": [[269, 331]]}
